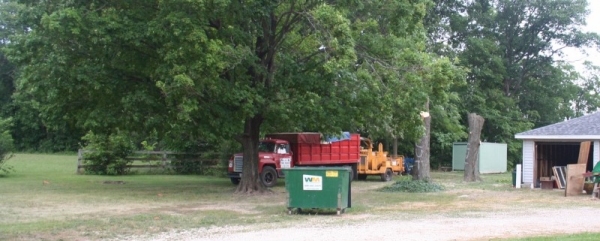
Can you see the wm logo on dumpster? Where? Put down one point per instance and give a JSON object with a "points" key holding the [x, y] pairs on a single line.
{"points": [[310, 182]]}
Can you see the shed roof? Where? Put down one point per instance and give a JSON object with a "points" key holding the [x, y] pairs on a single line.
{"points": [[586, 127]]}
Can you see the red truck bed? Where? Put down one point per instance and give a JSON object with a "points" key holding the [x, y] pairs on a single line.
{"points": [[307, 149]]}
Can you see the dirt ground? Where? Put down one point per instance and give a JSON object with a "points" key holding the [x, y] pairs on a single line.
{"points": [[470, 226], [473, 211], [496, 215]]}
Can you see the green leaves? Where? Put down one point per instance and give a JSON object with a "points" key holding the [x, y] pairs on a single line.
{"points": [[197, 70], [588, 96], [107, 153], [6, 146], [419, 186], [509, 49]]}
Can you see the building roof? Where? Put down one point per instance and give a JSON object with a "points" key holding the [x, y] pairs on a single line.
{"points": [[586, 127]]}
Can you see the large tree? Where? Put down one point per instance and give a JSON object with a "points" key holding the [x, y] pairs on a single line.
{"points": [[208, 70], [447, 112], [588, 96], [29, 129], [6, 68], [511, 48]]}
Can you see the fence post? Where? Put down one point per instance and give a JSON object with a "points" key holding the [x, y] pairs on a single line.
{"points": [[164, 160], [79, 159]]}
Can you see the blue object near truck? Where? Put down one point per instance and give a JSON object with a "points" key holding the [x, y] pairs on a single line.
{"points": [[408, 164]]}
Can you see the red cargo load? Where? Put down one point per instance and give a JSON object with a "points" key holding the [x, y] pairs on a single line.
{"points": [[308, 150]]}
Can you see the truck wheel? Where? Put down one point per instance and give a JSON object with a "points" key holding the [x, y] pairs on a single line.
{"points": [[362, 176], [387, 176], [268, 176], [354, 171], [235, 181]]}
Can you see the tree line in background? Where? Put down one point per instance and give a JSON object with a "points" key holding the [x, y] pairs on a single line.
{"points": [[197, 75]]}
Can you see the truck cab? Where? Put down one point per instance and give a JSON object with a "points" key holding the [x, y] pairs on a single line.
{"points": [[273, 154]]}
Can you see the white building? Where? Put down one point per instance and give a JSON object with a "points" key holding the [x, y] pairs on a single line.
{"points": [[558, 145]]}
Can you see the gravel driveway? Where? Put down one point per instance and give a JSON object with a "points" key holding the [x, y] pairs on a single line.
{"points": [[463, 226]]}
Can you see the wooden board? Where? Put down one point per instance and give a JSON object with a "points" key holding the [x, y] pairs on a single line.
{"points": [[575, 179], [584, 152], [559, 176]]}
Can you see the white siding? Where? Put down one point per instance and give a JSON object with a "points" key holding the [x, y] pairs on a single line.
{"points": [[596, 152], [528, 158]]}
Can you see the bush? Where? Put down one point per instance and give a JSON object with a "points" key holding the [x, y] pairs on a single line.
{"points": [[108, 153], [413, 187], [205, 164], [6, 146], [213, 160], [186, 164]]}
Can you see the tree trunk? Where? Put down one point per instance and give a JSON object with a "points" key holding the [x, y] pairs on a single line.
{"points": [[250, 181], [421, 169], [472, 157], [395, 148]]}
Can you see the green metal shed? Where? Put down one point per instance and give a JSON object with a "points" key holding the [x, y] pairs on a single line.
{"points": [[492, 157]]}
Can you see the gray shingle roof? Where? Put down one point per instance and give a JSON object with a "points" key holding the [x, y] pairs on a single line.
{"points": [[587, 125]]}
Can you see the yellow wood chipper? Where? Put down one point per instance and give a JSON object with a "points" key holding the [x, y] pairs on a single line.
{"points": [[378, 162]]}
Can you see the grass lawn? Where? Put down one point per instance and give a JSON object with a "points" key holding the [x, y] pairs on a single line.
{"points": [[43, 199]]}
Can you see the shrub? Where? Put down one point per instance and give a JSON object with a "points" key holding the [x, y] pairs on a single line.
{"points": [[212, 161], [205, 164], [413, 186], [108, 153], [186, 164], [6, 146]]}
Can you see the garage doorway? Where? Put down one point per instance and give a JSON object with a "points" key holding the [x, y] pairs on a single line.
{"points": [[550, 154]]}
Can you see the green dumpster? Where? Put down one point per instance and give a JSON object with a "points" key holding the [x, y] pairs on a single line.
{"points": [[318, 187]]}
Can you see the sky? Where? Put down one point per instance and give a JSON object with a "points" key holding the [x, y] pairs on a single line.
{"points": [[574, 56]]}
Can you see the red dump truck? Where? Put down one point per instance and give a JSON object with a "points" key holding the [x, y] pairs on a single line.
{"points": [[286, 150]]}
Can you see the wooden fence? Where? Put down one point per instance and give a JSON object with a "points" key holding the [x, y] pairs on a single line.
{"points": [[154, 159]]}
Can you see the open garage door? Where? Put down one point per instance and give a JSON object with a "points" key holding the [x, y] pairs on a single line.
{"points": [[549, 154]]}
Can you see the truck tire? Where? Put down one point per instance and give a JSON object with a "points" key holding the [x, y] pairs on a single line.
{"points": [[387, 175], [354, 171], [268, 176], [235, 181]]}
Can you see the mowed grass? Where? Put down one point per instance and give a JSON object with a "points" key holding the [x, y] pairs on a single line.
{"points": [[44, 199]]}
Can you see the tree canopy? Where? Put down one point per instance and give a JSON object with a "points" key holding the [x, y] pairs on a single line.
{"points": [[511, 49], [193, 72], [212, 70]]}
